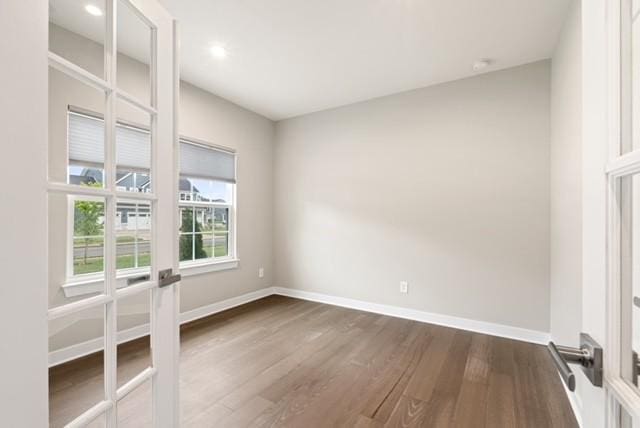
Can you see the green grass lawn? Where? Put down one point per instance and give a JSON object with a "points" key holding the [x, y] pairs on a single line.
{"points": [[219, 250], [96, 264]]}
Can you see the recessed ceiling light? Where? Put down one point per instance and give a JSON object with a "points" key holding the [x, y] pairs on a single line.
{"points": [[218, 51], [93, 10], [481, 64]]}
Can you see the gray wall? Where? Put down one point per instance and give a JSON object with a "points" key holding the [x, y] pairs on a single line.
{"points": [[23, 297], [446, 187], [203, 116]]}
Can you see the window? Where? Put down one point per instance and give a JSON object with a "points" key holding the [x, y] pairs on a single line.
{"points": [[206, 195], [206, 200]]}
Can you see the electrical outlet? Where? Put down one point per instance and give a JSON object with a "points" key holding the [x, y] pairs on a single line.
{"points": [[404, 287], [261, 273]]}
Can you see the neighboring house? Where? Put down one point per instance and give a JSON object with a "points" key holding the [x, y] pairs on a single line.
{"points": [[130, 217], [89, 176]]}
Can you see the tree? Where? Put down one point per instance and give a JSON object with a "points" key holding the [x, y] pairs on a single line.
{"points": [[186, 241], [86, 221]]}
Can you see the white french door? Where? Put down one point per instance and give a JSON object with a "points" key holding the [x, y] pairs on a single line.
{"points": [[115, 62], [622, 171]]}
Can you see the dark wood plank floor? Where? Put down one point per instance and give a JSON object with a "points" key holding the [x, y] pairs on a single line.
{"points": [[287, 362]]}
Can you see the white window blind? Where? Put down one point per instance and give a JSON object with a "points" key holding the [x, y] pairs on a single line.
{"points": [[205, 162], [86, 143]]}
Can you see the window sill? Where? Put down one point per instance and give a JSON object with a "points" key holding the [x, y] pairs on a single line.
{"points": [[79, 287], [95, 283], [194, 268]]}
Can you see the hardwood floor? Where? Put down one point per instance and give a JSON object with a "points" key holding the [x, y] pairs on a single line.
{"points": [[286, 362]]}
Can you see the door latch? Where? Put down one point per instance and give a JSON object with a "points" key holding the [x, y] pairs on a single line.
{"points": [[588, 356], [167, 277]]}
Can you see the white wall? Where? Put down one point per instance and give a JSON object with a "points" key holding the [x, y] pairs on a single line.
{"points": [[23, 138], [203, 116], [446, 187]]}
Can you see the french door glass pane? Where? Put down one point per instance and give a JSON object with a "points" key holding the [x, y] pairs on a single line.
{"points": [[77, 32], [144, 248], [630, 94], [76, 386], [135, 409], [76, 247], [99, 422], [88, 235], [134, 53], [630, 277], [133, 320], [76, 132], [133, 235], [133, 148]]}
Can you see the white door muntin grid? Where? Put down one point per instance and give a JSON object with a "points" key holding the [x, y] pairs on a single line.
{"points": [[163, 373], [623, 163]]}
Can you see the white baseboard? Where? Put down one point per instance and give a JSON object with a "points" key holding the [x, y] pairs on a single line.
{"points": [[85, 348], [214, 308], [89, 347], [492, 329]]}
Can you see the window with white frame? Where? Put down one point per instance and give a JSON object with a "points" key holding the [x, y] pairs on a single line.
{"points": [[206, 199]]}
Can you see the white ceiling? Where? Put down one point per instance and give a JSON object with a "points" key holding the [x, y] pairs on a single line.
{"points": [[291, 57]]}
